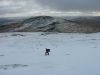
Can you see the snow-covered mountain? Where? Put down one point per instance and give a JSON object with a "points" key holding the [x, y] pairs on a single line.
{"points": [[53, 24], [40, 23], [35, 24]]}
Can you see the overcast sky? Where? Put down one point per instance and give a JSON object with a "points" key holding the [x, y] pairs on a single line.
{"points": [[13, 8]]}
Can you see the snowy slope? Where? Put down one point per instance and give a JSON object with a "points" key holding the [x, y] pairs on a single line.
{"points": [[71, 54]]}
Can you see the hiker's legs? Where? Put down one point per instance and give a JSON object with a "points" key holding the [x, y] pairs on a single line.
{"points": [[46, 53]]}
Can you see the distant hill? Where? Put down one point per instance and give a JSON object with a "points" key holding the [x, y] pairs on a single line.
{"points": [[6, 21], [54, 24]]}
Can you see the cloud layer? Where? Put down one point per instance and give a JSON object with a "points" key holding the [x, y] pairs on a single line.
{"points": [[49, 7], [72, 5]]}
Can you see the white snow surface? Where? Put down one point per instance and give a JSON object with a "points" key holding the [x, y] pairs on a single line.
{"points": [[71, 54]]}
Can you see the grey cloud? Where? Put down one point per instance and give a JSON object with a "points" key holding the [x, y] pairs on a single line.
{"points": [[28, 6], [15, 6], [71, 5]]}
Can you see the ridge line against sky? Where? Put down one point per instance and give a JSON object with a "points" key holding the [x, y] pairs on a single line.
{"points": [[17, 8]]}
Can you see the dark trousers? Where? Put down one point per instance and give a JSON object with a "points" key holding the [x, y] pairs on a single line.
{"points": [[46, 53]]}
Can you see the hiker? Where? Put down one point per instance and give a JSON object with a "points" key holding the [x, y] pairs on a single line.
{"points": [[47, 51]]}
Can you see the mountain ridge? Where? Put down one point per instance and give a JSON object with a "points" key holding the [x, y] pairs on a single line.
{"points": [[53, 24]]}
